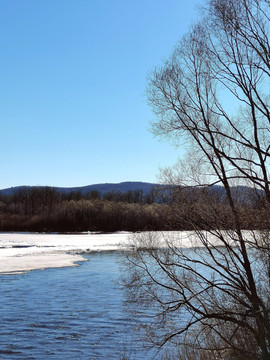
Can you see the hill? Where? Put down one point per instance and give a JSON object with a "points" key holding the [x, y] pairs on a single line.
{"points": [[102, 188]]}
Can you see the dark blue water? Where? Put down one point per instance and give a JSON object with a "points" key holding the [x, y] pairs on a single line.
{"points": [[68, 313]]}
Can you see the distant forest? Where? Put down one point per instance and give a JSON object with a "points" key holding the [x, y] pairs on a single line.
{"points": [[45, 209]]}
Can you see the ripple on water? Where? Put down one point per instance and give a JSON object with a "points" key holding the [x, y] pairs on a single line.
{"points": [[66, 313]]}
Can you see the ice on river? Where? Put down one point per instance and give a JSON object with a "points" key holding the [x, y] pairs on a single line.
{"points": [[20, 252]]}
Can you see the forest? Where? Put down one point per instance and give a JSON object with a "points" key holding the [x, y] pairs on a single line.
{"points": [[44, 209]]}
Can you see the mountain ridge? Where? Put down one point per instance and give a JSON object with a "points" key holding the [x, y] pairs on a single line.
{"points": [[103, 188]]}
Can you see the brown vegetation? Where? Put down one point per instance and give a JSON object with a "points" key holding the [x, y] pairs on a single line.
{"points": [[174, 208], [45, 209]]}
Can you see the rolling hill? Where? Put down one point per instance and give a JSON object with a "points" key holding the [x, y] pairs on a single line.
{"points": [[102, 188]]}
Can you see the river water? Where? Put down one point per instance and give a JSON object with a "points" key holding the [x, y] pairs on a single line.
{"points": [[68, 313]]}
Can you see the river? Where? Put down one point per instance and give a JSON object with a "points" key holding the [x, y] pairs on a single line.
{"points": [[67, 313]]}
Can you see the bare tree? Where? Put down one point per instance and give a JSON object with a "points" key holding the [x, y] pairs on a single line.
{"points": [[212, 97]]}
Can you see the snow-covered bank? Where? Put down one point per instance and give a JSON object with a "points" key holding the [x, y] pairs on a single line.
{"points": [[21, 252]]}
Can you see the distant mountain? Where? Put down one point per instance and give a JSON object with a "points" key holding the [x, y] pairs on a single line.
{"points": [[102, 188], [241, 193]]}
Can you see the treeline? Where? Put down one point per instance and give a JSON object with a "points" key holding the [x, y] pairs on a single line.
{"points": [[45, 209], [206, 208]]}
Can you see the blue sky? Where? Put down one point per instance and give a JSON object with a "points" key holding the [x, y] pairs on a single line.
{"points": [[73, 75]]}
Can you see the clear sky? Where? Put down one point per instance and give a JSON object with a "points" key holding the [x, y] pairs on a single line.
{"points": [[73, 75]]}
